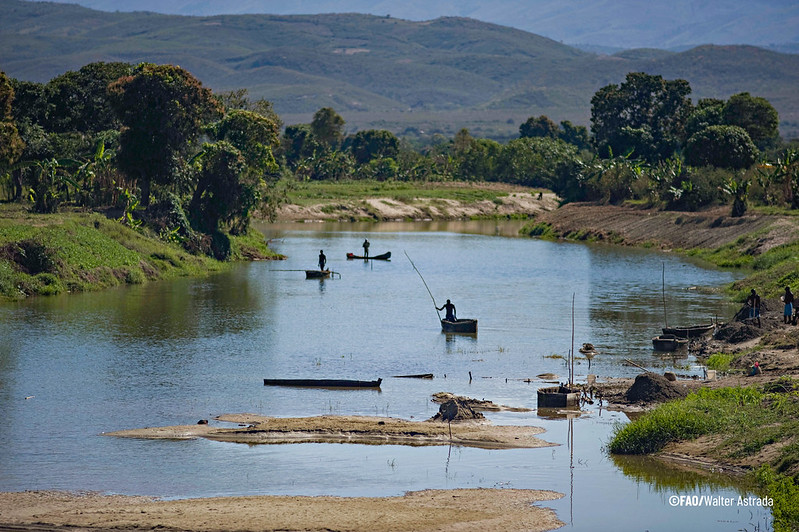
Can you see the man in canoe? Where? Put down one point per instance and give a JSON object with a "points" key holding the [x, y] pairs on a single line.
{"points": [[322, 260], [450, 310], [753, 301], [365, 248]]}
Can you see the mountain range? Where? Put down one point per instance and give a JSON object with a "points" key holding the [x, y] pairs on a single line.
{"points": [[411, 77], [618, 24]]}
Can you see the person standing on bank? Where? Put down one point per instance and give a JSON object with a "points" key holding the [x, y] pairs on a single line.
{"points": [[788, 300], [450, 310], [365, 248], [322, 260], [753, 301]]}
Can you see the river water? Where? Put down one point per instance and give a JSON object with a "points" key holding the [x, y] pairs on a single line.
{"points": [[171, 353]]}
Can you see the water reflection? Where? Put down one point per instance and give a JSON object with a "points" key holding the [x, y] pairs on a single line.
{"points": [[672, 477]]}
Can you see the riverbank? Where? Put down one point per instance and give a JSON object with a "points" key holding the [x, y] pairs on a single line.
{"points": [[475, 510], [48, 254]]}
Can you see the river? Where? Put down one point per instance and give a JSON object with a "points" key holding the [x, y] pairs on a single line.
{"points": [[75, 366]]}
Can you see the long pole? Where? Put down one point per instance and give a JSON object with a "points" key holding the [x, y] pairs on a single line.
{"points": [[663, 291], [571, 353], [425, 284]]}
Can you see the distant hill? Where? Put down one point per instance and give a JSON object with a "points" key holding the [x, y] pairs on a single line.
{"points": [[432, 76], [613, 23]]}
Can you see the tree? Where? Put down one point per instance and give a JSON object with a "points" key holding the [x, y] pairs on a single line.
{"points": [[372, 144], [708, 112], [162, 109], [535, 162], [11, 144], [79, 101], [218, 197], [755, 115], [644, 115], [721, 146], [576, 135], [540, 126], [327, 127], [297, 144]]}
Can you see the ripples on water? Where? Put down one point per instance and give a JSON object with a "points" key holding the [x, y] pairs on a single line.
{"points": [[173, 353]]}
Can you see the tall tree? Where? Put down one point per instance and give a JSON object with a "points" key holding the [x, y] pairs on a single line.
{"points": [[540, 126], [162, 109], [327, 127], [755, 115], [11, 144], [79, 100], [646, 115], [721, 146], [372, 144]]}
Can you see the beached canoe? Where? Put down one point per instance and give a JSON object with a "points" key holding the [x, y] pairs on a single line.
{"points": [[317, 274], [694, 331], [459, 326], [323, 383], [384, 256], [668, 342]]}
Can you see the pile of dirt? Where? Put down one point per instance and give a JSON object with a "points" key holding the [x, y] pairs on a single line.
{"points": [[456, 410], [736, 332], [653, 388]]}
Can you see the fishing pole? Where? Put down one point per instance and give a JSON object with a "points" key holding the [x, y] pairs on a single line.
{"points": [[425, 284]]}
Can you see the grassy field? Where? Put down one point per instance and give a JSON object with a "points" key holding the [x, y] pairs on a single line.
{"points": [[312, 192], [76, 252]]}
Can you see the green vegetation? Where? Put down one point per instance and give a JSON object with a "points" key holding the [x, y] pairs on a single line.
{"points": [[721, 361], [75, 252], [310, 192], [744, 422]]}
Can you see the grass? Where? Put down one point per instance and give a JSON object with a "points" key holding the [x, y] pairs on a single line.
{"points": [[721, 361], [746, 422], [76, 252], [311, 192]]}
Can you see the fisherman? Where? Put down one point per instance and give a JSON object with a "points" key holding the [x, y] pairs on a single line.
{"points": [[365, 248], [450, 310], [322, 260], [753, 301], [787, 298]]}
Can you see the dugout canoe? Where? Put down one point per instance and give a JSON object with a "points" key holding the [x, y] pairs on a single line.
{"points": [[323, 383], [317, 274], [693, 331], [467, 326], [558, 397], [668, 342], [384, 256]]}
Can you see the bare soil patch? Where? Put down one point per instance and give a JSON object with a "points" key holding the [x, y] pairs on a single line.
{"points": [[349, 429], [441, 510]]}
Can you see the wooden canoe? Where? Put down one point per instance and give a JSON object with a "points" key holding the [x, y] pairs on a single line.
{"points": [[558, 397], [668, 342], [693, 331], [467, 326], [384, 256], [323, 383], [317, 274]]}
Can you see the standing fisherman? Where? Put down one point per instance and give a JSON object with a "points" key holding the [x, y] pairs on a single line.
{"points": [[450, 310], [365, 248], [753, 301], [322, 260]]}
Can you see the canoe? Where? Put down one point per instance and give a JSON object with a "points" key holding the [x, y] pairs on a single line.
{"points": [[317, 274], [323, 383], [558, 397], [459, 326], [668, 342], [693, 331], [384, 256]]}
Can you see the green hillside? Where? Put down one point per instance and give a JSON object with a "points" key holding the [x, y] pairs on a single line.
{"points": [[434, 76]]}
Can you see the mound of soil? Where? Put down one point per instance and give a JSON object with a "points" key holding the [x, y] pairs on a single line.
{"points": [[653, 388], [736, 332], [456, 410]]}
